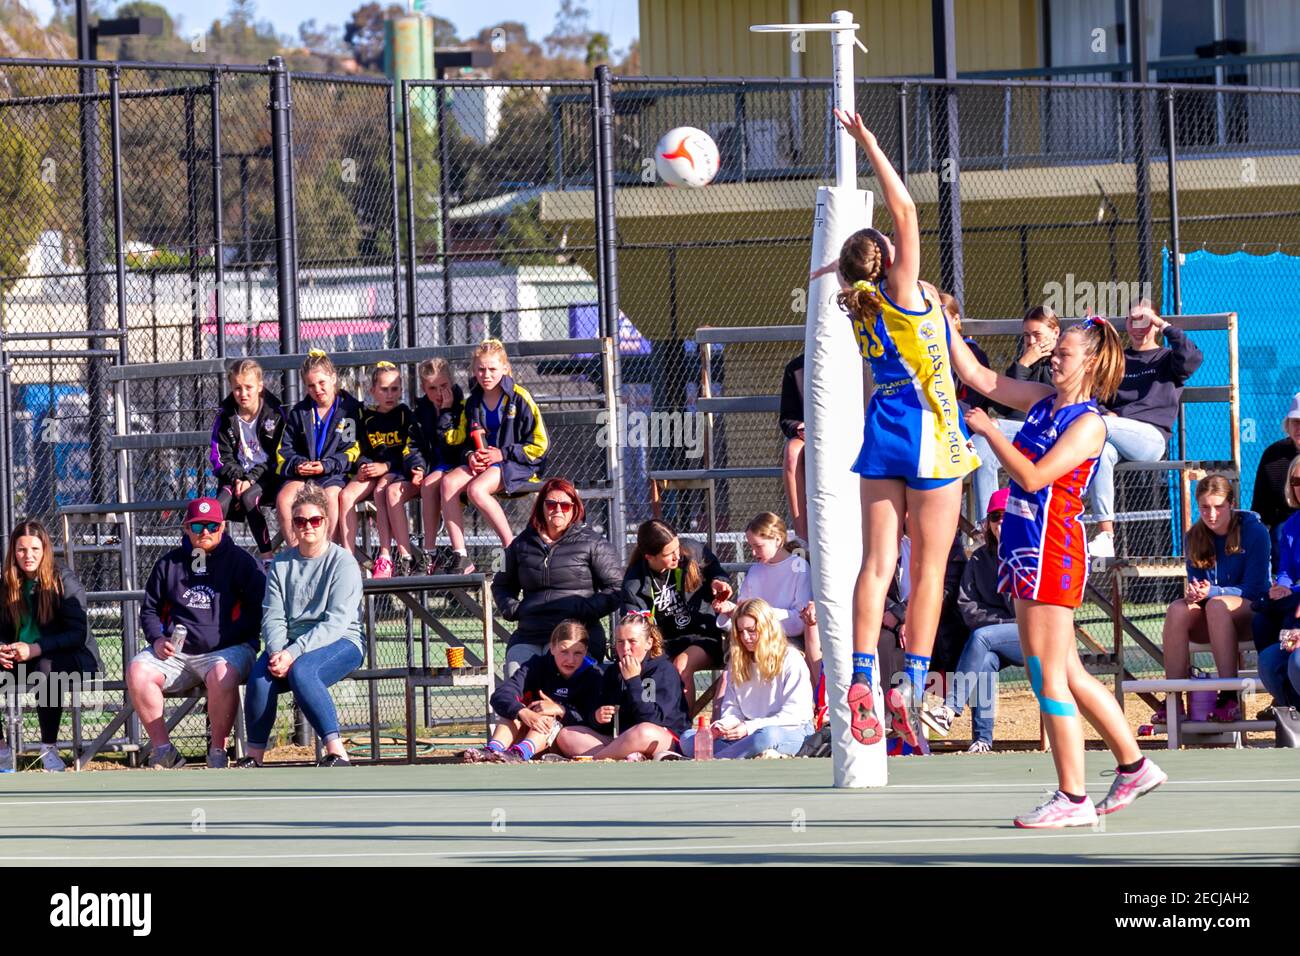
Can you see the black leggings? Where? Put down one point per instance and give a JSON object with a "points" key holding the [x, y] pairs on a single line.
{"points": [[50, 715], [246, 508]]}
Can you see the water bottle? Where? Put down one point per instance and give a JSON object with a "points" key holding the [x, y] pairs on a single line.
{"points": [[703, 741], [178, 637], [478, 434]]}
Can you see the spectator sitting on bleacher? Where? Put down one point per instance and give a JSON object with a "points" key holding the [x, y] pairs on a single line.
{"points": [[43, 630], [513, 456], [1141, 416], [641, 688], [388, 460], [1272, 500], [1279, 668], [320, 443], [563, 569], [768, 699], [1227, 570], [792, 462], [784, 581], [994, 641], [245, 436], [214, 589], [547, 693], [436, 413], [1040, 328], [677, 581], [311, 629]]}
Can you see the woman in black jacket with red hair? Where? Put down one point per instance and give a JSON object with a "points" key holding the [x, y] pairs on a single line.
{"points": [[557, 569], [43, 630]]}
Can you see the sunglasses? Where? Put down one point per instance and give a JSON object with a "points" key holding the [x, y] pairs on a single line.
{"points": [[1295, 482], [995, 517], [312, 521], [198, 527], [564, 507]]}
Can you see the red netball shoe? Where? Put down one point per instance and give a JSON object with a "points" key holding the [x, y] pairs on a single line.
{"points": [[863, 722]]}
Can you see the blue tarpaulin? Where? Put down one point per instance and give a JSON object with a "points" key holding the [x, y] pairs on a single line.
{"points": [[1262, 291]]}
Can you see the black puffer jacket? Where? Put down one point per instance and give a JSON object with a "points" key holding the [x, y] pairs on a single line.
{"points": [[978, 598], [576, 578], [67, 636]]}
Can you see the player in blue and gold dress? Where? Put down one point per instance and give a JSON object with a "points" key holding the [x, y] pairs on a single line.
{"points": [[915, 449]]}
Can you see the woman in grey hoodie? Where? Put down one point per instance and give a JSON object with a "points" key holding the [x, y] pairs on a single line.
{"points": [[311, 631]]}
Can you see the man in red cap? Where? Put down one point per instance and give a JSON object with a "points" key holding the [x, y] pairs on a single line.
{"points": [[213, 589]]}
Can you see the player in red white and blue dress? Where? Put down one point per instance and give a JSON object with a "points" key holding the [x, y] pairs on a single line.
{"points": [[1044, 557]]}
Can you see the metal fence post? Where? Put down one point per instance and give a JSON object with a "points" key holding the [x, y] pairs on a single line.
{"points": [[92, 226], [218, 221], [411, 275], [608, 255], [903, 158], [1141, 150], [409, 342], [286, 254], [121, 421], [444, 222], [947, 139]]}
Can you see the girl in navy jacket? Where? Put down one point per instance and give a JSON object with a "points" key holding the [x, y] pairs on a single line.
{"points": [[1227, 570], [436, 413], [387, 465], [245, 439], [514, 452], [320, 443], [557, 688], [643, 689]]}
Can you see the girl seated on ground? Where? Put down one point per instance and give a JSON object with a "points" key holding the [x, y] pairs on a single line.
{"points": [[319, 444], [513, 455], [768, 700], [644, 691], [245, 436], [388, 466], [675, 582], [556, 689], [1227, 570]]}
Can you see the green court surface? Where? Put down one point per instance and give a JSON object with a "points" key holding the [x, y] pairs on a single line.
{"points": [[1220, 808]]}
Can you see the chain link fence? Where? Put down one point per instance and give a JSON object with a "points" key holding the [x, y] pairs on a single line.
{"points": [[265, 214]]}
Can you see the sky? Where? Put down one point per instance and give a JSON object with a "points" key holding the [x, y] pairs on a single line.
{"points": [[618, 18]]}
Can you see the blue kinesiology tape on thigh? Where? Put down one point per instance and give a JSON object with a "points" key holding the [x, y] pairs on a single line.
{"points": [[1057, 708]]}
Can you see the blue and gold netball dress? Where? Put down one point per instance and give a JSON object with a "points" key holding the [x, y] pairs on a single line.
{"points": [[914, 429]]}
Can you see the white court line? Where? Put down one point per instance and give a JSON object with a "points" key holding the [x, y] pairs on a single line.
{"points": [[194, 795], [639, 850]]}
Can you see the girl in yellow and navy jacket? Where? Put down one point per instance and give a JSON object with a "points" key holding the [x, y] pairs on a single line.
{"points": [[320, 442], [513, 454], [388, 465]]}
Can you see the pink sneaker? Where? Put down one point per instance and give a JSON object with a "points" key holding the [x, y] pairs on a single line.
{"points": [[863, 723], [901, 717], [1058, 812], [1226, 713], [383, 567], [1129, 786]]}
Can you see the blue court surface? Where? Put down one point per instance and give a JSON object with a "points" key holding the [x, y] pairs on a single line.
{"points": [[1221, 807]]}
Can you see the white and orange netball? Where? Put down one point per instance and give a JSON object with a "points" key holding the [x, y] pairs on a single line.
{"points": [[686, 156]]}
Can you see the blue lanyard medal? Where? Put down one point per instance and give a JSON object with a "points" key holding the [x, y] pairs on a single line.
{"points": [[322, 431]]}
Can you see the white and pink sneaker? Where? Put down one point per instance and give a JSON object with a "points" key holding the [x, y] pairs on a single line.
{"points": [[383, 566], [1129, 786], [1059, 811]]}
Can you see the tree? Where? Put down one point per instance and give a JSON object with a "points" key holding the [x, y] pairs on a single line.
{"points": [[569, 38], [21, 187], [444, 33], [364, 33], [597, 49]]}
